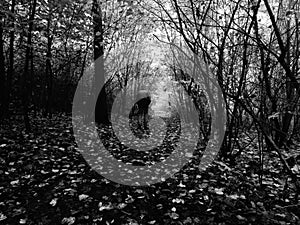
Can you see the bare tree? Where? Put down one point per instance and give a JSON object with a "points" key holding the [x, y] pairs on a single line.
{"points": [[2, 67], [27, 72]]}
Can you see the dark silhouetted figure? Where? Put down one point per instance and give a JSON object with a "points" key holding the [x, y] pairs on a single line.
{"points": [[139, 118]]}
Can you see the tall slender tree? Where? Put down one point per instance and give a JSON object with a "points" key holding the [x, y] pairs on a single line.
{"points": [[28, 61], [10, 72], [101, 109], [48, 72], [2, 67]]}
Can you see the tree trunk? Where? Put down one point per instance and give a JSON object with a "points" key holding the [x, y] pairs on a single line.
{"points": [[10, 73], [101, 109], [2, 69], [49, 81], [26, 74]]}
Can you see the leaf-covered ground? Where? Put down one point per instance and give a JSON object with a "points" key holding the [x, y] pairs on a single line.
{"points": [[45, 180]]}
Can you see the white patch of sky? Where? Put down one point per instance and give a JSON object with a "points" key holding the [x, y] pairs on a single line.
{"points": [[156, 52], [162, 97]]}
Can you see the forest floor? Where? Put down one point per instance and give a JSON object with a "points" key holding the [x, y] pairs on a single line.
{"points": [[45, 180]]}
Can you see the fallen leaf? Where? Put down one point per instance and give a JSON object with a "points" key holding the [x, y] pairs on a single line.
{"points": [[82, 197], [53, 201], [68, 221]]}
